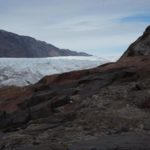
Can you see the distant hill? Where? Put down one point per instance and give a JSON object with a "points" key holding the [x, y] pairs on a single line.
{"points": [[13, 45]]}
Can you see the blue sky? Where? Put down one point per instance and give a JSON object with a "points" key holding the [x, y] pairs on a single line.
{"points": [[98, 27]]}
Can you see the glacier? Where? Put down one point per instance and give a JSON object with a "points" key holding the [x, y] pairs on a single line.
{"points": [[25, 71]]}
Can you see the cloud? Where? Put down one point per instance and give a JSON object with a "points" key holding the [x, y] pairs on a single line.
{"points": [[136, 18], [84, 25]]}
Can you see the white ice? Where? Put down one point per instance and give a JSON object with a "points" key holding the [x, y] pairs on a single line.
{"points": [[24, 71]]}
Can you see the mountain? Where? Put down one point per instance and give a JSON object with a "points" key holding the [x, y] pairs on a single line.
{"points": [[106, 108], [141, 47], [13, 45], [25, 71]]}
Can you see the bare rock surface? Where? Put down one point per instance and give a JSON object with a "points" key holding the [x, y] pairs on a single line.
{"points": [[141, 47]]}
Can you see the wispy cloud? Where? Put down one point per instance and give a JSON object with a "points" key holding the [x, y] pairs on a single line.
{"points": [[84, 25], [136, 18]]}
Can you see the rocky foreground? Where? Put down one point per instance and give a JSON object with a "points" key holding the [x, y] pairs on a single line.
{"points": [[105, 108]]}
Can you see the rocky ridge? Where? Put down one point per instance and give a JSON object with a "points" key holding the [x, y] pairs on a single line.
{"points": [[141, 47]]}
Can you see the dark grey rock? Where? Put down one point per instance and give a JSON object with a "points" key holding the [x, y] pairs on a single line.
{"points": [[141, 47]]}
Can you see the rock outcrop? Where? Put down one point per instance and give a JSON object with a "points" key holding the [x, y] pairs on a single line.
{"points": [[141, 47], [13, 45], [102, 108]]}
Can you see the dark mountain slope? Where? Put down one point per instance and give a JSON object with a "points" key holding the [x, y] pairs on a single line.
{"points": [[141, 47], [13, 45], [102, 108]]}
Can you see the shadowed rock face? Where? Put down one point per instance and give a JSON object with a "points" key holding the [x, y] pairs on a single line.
{"points": [[13, 45], [108, 106], [141, 47]]}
